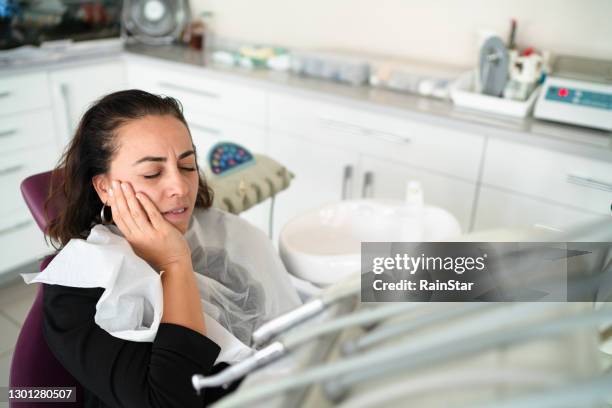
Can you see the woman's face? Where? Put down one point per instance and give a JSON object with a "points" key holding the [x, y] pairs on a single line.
{"points": [[156, 157]]}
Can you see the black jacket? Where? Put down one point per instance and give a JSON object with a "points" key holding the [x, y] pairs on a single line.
{"points": [[121, 373]]}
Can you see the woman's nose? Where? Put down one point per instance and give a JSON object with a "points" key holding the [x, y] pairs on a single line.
{"points": [[177, 185]]}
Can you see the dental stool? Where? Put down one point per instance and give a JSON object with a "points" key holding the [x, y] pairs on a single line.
{"points": [[33, 364]]}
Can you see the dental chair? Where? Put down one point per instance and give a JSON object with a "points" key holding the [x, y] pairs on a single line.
{"points": [[33, 364]]}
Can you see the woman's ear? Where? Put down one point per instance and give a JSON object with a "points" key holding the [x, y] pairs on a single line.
{"points": [[101, 183]]}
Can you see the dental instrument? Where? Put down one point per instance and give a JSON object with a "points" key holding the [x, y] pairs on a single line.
{"points": [[328, 297], [290, 341], [458, 344], [406, 356], [376, 336]]}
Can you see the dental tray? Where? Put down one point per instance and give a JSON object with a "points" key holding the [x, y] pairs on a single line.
{"points": [[463, 96]]}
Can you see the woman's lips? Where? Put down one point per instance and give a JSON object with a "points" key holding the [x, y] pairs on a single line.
{"points": [[177, 214]]}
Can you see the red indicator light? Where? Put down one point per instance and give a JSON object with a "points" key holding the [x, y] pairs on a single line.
{"points": [[563, 92]]}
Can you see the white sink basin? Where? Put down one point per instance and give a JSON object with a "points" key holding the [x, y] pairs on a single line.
{"points": [[323, 246]]}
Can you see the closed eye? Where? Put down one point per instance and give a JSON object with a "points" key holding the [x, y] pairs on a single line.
{"points": [[152, 176]]}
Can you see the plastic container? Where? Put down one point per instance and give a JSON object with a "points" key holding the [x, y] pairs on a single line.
{"points": [[463, 95]]}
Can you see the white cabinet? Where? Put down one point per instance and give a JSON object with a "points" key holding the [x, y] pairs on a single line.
{"points": [[503, 209], [27, 145], [74, 89], [548, 175], [200, 94], [27, 92], [436, 148], [19, 165], [19, 131], [526, 185], [21, 240], [39, 112]]}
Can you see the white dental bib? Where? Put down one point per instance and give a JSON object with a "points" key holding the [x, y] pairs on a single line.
{"points": [[241, 280]]}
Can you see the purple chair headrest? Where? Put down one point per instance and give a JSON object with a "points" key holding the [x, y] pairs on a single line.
{"points": [[35, 190]]}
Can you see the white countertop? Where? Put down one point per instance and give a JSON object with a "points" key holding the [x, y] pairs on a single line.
{"points": [[587, 142]]}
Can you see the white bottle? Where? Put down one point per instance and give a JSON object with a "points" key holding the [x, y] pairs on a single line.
{"points": [[411, 216]]}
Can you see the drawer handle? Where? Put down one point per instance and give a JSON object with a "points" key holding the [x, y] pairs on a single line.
{"points": [[346, 181], [4, 94], [341, 126], [368, 184], [65, 93], [388, 137], [7, 133], [190, 90], [589, 182], [11, 169], [206, 129], [18, 226], [358, 130]]}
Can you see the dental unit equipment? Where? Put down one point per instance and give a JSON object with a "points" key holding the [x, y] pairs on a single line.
{"points": [[330, 296], [452, 379], [241, 179], [292, 340], [403, 350], [406, 356], [582, 394]]}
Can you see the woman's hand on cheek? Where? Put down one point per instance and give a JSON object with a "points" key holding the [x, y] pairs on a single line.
{"points": [[152, 237]]}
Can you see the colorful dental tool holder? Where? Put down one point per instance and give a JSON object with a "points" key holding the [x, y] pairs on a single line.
{"points": [[241, 179]]}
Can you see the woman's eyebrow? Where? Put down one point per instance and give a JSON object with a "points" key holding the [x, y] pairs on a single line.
{"points": [[163, 159]]}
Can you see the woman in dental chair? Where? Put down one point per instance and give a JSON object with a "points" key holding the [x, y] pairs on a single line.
{"points": [[131, 170]]}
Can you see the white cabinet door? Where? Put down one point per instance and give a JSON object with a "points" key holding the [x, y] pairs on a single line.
{"points": [[503, 209], [21, 240], [16, 167], [320, 175], [199, 91], [415, 143], [21, 93], [384, 179], [549, 175], [74, 89]]}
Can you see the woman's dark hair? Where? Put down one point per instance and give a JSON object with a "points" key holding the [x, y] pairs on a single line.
{"points": [[90, 152]]}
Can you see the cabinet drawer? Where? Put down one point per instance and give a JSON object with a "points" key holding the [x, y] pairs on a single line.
{"points": [[205, 95], [560, 177], [16, 167], [502, 209], [418, 144], [23, 130], [24, 92], [21, 240]]}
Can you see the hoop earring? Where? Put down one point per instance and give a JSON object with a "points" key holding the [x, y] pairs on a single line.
{"points": [[103, 216]]}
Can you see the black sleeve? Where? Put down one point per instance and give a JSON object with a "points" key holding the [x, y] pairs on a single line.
{"points": [[125, 373]]}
